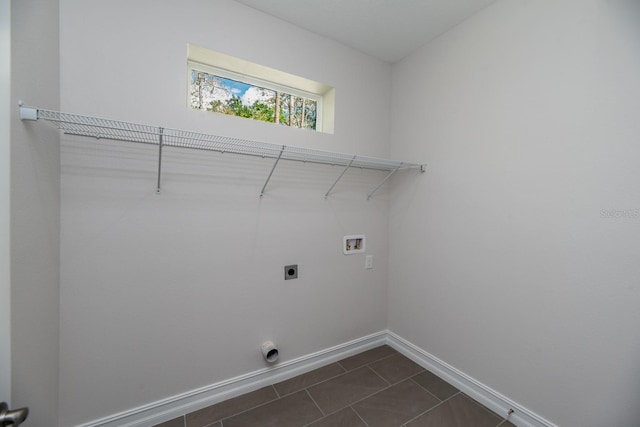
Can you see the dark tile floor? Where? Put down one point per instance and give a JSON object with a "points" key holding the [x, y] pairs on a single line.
{"points": [[377, 388]]}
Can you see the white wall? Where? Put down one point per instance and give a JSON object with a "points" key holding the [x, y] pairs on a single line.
{"points": [[502, 262], [161, 294], [34, 204], [5, 192]]}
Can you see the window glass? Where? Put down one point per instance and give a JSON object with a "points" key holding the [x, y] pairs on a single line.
{"points": [[212, 92]]}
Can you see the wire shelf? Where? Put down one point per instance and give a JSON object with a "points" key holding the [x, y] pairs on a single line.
{"points": [[75, 124]]}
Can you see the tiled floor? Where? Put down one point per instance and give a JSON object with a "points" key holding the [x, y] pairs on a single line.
{"points": [[377, 388]]}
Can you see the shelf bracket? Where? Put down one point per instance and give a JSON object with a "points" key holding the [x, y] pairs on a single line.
{"points": [[264, 187], [28, 113], [343, 172], [383, 181], [160, 143]]}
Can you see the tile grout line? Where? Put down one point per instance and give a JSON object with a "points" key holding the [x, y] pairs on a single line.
{"points": [[368, 365], [429, 391], [388, 387], [361, 399], [430, 409], [359, 416], [379, 376], [382, 358], [276, 390], [384, 389], [403, 379], [315, 403], [346, 371], [219, 420], [502, 419], [395, 352], [248, 409], [212, 423], [357, 401], [319, 382]]}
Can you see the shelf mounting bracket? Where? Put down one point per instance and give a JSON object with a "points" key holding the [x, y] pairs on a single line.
{"points": [[343, 172], [160, 143], [383, 181], [28, 113], [264, 187]]}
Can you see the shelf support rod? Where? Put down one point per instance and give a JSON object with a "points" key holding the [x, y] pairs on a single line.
{"points": [[160, 143], [383, 181], [264, 187], [343, 172]]}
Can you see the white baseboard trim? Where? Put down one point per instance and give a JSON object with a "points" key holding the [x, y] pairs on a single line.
{"points": [[175, 406], [490, 398]]}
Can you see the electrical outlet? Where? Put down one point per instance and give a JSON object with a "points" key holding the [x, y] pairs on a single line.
{"points": [[290, 272], [368, 262]]}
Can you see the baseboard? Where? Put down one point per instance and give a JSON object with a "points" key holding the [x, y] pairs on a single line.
{"points": [[490, 398], [175, 406]]}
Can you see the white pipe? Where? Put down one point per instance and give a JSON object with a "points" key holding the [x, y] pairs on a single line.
{"points": [[269, 351]]}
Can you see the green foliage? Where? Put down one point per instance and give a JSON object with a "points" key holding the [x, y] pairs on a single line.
{"points": [[235, 107], [263, 112]]}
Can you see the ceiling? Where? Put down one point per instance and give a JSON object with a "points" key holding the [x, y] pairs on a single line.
{"points": [[386, 29]]}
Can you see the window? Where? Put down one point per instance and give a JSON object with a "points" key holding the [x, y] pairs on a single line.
{"points": [[212, 92], [223, 84]]}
